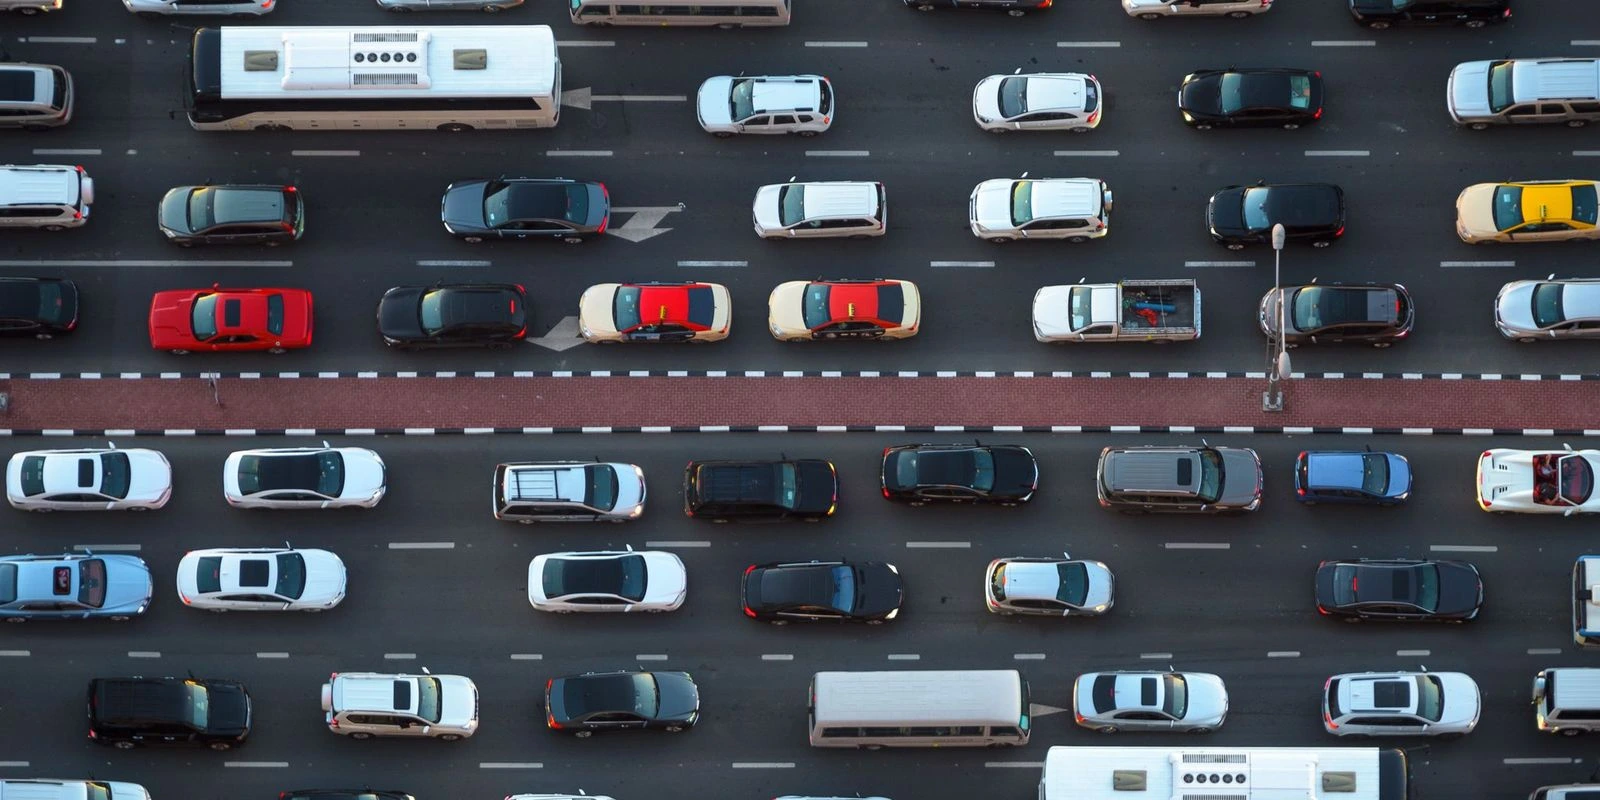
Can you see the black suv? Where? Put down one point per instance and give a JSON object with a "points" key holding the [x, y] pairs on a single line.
{"points": [[959, 473], [38, 307], [131, 712], [453, 315], [1380, 14], [1015, 8], [760, 491], [1242, 215]]}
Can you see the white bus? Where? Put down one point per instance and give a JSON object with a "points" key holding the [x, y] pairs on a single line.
{"points": [[966, 708], [722, 13], [448, 78], [1224, 773]]}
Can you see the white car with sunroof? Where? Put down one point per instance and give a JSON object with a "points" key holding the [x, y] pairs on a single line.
{"points": [[304, 477], [1041, 101], [261, 579], [94, 479]]}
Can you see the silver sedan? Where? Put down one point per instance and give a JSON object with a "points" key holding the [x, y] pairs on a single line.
{"points": [[1532, 311], [490, 6], [1189, 702], [208, 8]]}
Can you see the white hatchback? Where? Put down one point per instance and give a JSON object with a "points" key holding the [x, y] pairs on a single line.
{"points": [[1074, 209], [89, 480], [1042, 101], [209, 8], [304, 477], [607, 580], [820, 210], [798, 104], [261, 579]]}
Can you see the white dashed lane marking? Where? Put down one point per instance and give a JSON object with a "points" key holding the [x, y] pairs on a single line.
{"points": [[510, 765]]}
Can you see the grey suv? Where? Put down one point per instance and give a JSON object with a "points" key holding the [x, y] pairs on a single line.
{"points": [[1179, 480]]}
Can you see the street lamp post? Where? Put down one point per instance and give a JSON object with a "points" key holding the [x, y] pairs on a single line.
{"points": [[1277, 349]]}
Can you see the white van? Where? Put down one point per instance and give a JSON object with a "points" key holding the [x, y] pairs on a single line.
{"points": [[1586, 601], [43, 789]]}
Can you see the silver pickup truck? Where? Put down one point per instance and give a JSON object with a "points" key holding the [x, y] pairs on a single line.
{"points": [[1130, 311]]}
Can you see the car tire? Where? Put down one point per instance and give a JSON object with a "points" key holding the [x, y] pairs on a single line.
{"points": [[721, 134], [1016, 12], [1078, 239], [491, 9], [1308, 502], [52, 228], [1200, 730], [361, 735], [1291, 126], [1381, 345], [809, 134], [1238, 14], [1080, 130], [1149, 16], [400, 9], [1235, 246], [220, 746], [1577, 123], [472, 239], [1571, 731], [1475, 23], [124, 745], [43, 336], [995, 130], [184, 244], [582, 734], [271, 127], [1000, 239], [450, 737], [1527, 339], [277, 351], [1322, 243], [1378, 25], [454, 127], [1351, 620], [874, 622], [1202, 126], [572, 239], [1479, 126], [179, 352], [1106, 729], [16, 620], [673, 729]]}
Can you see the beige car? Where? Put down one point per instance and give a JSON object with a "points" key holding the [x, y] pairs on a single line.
{"points": [[883, 309], [1528, 211], [1156, 9], [680, 311]]}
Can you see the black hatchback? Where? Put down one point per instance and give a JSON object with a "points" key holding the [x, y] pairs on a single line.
{"points": [[1381, 14], [1378, 314], [622, 700], [241, 214], [1276, 97], [959, 473], [1400, 589], [1015, 8], [39, 307], [1244, 215], [453, 315], [526, 208], [808, 591]]}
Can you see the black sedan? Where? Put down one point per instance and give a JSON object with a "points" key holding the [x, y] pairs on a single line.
{"points": [[1401, 589], [959, 473], [1380, 14], [526, 208], [1378, 314], [344, 794], [39, 307], [453, 315], [242, 214], [612, 701], [867, 591], [1251, 98], [1015, 8], [1241, 215]]}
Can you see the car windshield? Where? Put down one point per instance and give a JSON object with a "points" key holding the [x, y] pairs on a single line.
{"points": [[1430, 697], [92, 582], [982, 470], [116, 475], [1176, 702], [1375, 473], [1232, 98], [291, 575], [1080, 307], [1255, 209], [1013, 97], [204, 317], [428, 705], [601, 492], [200, 204], [198, 710], [1500, 86], [1577, 479], [8, 583], [741, 101], [1547, 309], [843, 584], [97, 791], [625, 308], [1074, 588], [815, 307], [1507, 207], [1021, 203], [1210, 490], [788, 485], [1425, 577], [792, 205]]}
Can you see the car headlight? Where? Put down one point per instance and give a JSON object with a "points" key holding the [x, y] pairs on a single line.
{"points": [[776, 331], [892, 614], [637, 510], [1100, 609], [1187, 117], [584, 330]]}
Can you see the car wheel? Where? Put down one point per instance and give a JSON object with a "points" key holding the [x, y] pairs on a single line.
{"points": [[1290, 126], [572, 239], [179, 352], [454, 127], [313, 610], [873, 747], [53, 228], [500, 345], [721, 134], [270, 127], [1203, 126], [1000, 239], [272, 244], [123, 745], [450, 737], [277, 351], [582, 734], [1378, 25], [1106, 729], [1008, 505], [1199, 730], [400, 9], [1149, 16], [472, 239], [874, 622], [925, 7], [1576, 123], [1238, 14], [1352, 620], [859, 237], [185, 244], [27, 12], [1447, 736], [809, 134], [361, 736], [1016, 12], [1322, 243], [220, 746], [916, 503], [16, 620], [491, 9], [218, 610], [1475, 23], [1479, 126], [1527, 339], [995, 130], [1381, 345], [1080, 130], [673, 729], [1308, 502], [1078, 239], [778, 622], [1571, 731], [1235, 246], [35, 128], [44, 336]]}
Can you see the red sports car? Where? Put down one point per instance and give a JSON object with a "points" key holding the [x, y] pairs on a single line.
{"points": [[221, 320]]}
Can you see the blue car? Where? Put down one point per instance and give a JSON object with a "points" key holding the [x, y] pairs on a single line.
{"points": [[1352, 476], [73, 586]]}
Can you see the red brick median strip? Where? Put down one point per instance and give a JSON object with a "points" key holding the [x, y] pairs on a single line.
{"points": [[506, 403]]}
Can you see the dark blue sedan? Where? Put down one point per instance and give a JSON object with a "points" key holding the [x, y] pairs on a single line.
{"points": [[1352, 476]]}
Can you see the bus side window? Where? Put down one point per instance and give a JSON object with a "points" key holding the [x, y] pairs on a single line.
{"points": [[970, 730], [878, 732], [840, 733], [1005, 730]]}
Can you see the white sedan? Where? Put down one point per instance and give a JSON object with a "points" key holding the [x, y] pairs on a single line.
{"points": [[607, 580], [263, 579], [1534, 482], [1043, 101], [209, 8], [304, 477], [89, 480], [1056, 587]]}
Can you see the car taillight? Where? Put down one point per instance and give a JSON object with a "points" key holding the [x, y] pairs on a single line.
{"points": [[885, 492], [749, 612], [550, 722], [1266, 3], [1079, 717], [267, 4], [184, 598], [606, 193], [520, 288], [1300, 491], [287, 189], [1093, 116], [333, 723], [1338, 233], [1317, 115], [1355, 584], [1046, 3], [1506, 15], [1321, 610], [603, 224], [77, 215]]}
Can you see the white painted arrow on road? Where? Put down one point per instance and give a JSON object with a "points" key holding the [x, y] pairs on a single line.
{"points": [[585, 98], [564, 336], [642, 225], [1042, 710]]}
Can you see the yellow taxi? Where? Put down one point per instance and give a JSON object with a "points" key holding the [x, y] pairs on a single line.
{"points": [[1530, 211]]}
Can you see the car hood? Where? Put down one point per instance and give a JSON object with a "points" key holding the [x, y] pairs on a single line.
{"points": [[1225, 212], [1052, 311], [630, 487], [595, 308], [1514, 306], [680, 698], [991, 204], [786, 308], [1015, 472], [458, 701], [169, 314], [1475, 209], [667, 578], [1399, 475], [229, 708], [1100, 585], [986, 98], [325, 578], [765, 208], [1460, 589], [128, 584], [363, 473], [1469, 90], [1506, 476], [1202, 95], [819, 487], [712, 101], [1208, 699], [1462, 701], [126, 791], [173, 214], [879, 589], [462, 207], [151, 473], [398, 313], [1241, 478]]}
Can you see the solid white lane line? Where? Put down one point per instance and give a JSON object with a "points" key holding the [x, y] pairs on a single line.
{"points": [[1315, 153], [836, 44], [584, 43], [143, 263], [973, 264], [639, 98], [650, 657], [763, 765], [1027, 656], [1413, 653], [1088, 44], [713, 263], [326, 153], [60, 39], [1283, 654], [15, 653], [1464, 548], [144, 654], [777, 656], [399, 656], [1219, 263], [1345, 43], [579, 153], [1196, 545], [939, 545], [450, 263], [905, 657], [13, 763], [108, 548], [1090, 153], [256, 764], [1586, 152], [1529, 761], [527, 657], [680, 543], [1586, 42], [1544, 651], [510, 765], [839, 153], [422, 545], [1477, 263], [272, 655], [44, 151], [1155, 656], [1013, 764]]}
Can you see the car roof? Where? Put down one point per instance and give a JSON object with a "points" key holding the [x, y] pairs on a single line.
{"points": [[1555, 78], [1176, 470], [1580, 300], [1065, 197], [1032, 580], [235, 204], [880, 301], [536, 199], [548, 482], [19, 82], [794, 93], [370, 692], [39, 184], [798, 584], [840, 199], [1394, 693], [1336, 470], [1051, 92]]}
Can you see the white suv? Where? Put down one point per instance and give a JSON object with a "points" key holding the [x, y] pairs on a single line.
{"points": [[1042, 101], [1075, 209], [799, 104], [1156, 9], [45, 789], [820, 210], [362, 705], [567, 491], [45, 196]]}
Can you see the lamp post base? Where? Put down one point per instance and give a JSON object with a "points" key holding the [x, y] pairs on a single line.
{"points": [[1272, 399]]}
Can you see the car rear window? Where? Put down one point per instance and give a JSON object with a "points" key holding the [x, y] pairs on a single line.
{"points": [[8, 583], [203, 321], [1299, 91], [1091, 95], [275, 314], [1585, 208], [58, 96], [16, 85], [92, 582], [825, 105]]}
